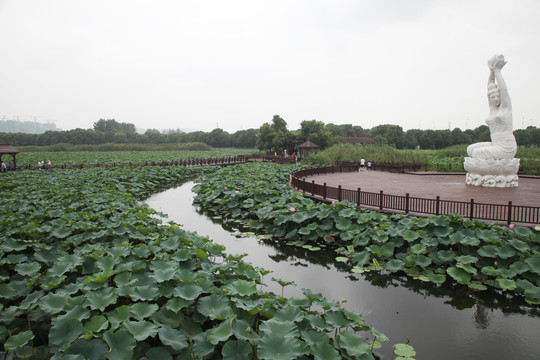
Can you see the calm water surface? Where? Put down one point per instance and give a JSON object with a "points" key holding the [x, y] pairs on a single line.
{"points": [[441, 323]]}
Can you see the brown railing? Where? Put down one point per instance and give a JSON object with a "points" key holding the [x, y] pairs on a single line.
{"points": [[508, 213]]}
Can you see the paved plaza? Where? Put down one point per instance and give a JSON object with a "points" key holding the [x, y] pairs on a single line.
{"points": [[429, 185]]}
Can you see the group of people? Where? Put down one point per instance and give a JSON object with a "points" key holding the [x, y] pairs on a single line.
{"points": [[363, 164], [4, 168], [43, 164]]}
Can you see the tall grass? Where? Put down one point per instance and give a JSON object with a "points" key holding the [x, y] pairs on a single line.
{"points": [[373, 153]]}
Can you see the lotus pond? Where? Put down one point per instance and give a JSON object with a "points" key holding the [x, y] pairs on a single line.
{"points": [[88, 272], [488, 311]]}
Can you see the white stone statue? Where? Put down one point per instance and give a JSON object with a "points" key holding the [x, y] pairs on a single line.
{"points": [[492, 164]]}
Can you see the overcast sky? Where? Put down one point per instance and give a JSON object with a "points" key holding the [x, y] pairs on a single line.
{"points": [[202, 64]]}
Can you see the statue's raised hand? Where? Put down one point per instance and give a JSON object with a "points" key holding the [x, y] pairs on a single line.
{"points": [[492, 61], [499, 63]]}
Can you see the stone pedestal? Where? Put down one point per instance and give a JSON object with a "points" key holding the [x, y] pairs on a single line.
{"points": [[491, 172]]}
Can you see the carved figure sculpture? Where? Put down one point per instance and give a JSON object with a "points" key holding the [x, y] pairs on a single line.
{"points": [[495, 158]]}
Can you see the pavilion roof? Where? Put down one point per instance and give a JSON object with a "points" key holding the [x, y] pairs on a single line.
{"points": [[308, 144], [8, 149]]}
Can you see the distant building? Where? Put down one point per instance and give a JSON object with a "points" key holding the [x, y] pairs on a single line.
{"points": [[358, 140], [26, 127]]}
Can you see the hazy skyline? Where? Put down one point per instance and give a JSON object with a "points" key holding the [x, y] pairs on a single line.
{"points": [[234, 64]]}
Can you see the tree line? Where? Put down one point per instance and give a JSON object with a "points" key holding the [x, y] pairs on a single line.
{"points": [[272, 136]]}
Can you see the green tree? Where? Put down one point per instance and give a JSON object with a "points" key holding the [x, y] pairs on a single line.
{"points": [[275, 137], [316, 132]]}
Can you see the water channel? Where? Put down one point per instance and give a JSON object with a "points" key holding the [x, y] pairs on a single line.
{"points": [[440, 322]]}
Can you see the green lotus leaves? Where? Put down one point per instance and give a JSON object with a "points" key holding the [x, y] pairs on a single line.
{"points": [[534, 263], [144, 293], [143, 310], [505, 252], [404, 350], [121, 344], [236, 350], [64, 331], [519, 245], [102, 298], [395, 265], [324, 351], [355, 345], [19, 340], [118, 315], [280, 328], [141, 329], [52, 303], [91, 349], [488, 251], [275, 347], [418, 249], [410, 235], [466, 259], [220, 333], [290, 313], [506, 284], [241, 287], [459, 275], [173, 338], [96, 324], [215, 306]]}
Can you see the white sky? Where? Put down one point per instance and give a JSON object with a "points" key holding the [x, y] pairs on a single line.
{"points": [[199, 64]]}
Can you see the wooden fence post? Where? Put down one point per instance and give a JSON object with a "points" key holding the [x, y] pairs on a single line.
{"points": [[437, 205], [304, 185], [406, 203], [358, 197], [312, 187], [324, 191], [339, 193], [381, 200], [509, 212], [471, 213]]}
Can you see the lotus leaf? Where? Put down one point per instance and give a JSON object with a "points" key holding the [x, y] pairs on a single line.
{"points": [[519, 267], [446, 255], [488, 251], [468, 268], [236, 350], [279, 327], [144, 293], [289, 313], [275, 347], [241, 287], [220, 333], [337, 319], [121, 344], [324, 351], [118, 315], [410, 235], [102, 298], [460, 275], [506, 284], [91, 349], [519, 245], [442, 232], [64, 331], [466, 259], [395, 265], [534, 263], [361, 258], [355, 345], [215, 306], [202, 348], [143, 310], [19, 340], [505, 252], [52, 303], [523, 232], [404, 350], [173, 338], [96, 324], [418, 249]]}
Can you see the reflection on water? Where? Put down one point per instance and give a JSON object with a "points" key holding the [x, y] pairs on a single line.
{"points": [[441, 322]]}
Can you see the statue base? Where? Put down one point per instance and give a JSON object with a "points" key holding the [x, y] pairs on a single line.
{"points": [[491, 172]]}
